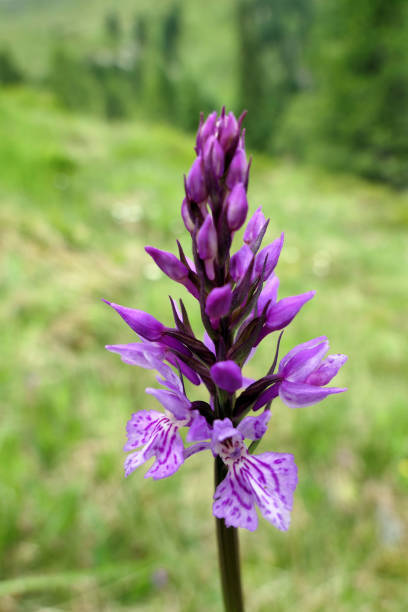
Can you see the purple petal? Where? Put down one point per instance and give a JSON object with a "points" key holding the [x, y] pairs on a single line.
{"points": [[237, 207], [208, 342], [186, 216], [229, 131], [223, 429], [168, 263], [141, 322], [299, 395], [300, 347], [219, 302], [196, 186], [327, 370], [176, 404], [239, 262], [254, 226], [141, 427], [273, 479], [268, 294], [139, 353], [214, 157], [238, 169], [270, 254], [279, 315], [185, 369], [206, 130], [303, 363], [207, 239], [227, 375], [196, 448], [234, 502], [267, 396], [169, 455], [136, 459], [199, 429], [254, 427]]}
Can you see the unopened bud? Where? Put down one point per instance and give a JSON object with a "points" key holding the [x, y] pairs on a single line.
{"points": [[196, 186], [237, 171], [214, 157], [218, 302], [141, 322], [227, 375], [168, 263], [237, 207], [254, 227], [229, 131], [207, 239]]}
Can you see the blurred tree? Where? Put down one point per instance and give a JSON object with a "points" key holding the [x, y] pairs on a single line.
{"points": [[73, 83], [113, 28], [10, 73], [272, 35], [139, 34], [168, 62], [362, 86]]}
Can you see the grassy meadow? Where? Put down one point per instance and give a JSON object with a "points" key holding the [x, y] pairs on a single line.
{"points": [[79, 199]]}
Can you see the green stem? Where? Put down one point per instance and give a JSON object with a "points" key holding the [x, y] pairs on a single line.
{"points": [[228, 555]]}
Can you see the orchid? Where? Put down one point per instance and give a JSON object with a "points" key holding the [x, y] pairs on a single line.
{"points": [[236, 293]]}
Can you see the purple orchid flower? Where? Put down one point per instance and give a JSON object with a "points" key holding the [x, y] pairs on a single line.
{"points": [[151, 355], [302, 374], [237, 295], [267, 480], [159, 433]]}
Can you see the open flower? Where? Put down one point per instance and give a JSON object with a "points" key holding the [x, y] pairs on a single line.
{"points": [[159, 433], [267, 480], [302, 374]]}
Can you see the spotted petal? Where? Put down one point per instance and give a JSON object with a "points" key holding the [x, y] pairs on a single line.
{"points": [[254, 427], [273, 479], [169, 453], [141, 427], [234, 502]]}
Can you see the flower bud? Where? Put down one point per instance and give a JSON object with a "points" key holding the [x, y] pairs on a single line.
{"points": [[268, 294], [229, 131], [218, 302], [196, 186], [186, 216], [141, 322], [279, 315], [237, 207], [270, 254], [254, 227], [206, 130], [237, 171], [239, 262], [227, 375], [207, 239], [168, 263], [214, 157]]}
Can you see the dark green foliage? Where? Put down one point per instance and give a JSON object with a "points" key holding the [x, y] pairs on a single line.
{"points": [[113, 27], [10, 73], [171, 30], [74, 84], [271, 35], [362, 87]]}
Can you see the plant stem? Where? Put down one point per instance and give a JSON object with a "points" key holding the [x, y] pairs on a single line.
{"points": [[228, 555]]}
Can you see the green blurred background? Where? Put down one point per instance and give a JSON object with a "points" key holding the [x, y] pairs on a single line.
{"points": [[98, 105]]}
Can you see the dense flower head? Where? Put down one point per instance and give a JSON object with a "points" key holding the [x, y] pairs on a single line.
{"points": [[237, 294]]}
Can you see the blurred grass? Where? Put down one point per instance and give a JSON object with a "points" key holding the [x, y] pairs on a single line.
{"points": [[79, 199], [208, 28]]}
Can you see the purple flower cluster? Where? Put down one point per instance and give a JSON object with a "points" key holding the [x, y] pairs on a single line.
{"points": [[237, 296]]}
